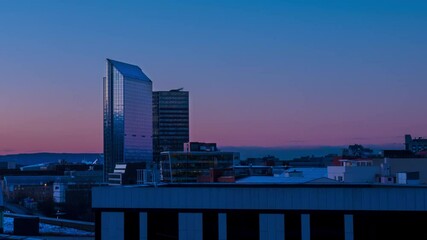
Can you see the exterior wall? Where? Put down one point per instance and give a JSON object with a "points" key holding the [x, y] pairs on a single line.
{"points": [[353, 211], [409, 165], [59, 190], [39, 193], [313, 225], [354, 174], [267, 197]]}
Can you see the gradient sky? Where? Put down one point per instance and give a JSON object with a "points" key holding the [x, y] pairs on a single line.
{"points": [[260, 73]]}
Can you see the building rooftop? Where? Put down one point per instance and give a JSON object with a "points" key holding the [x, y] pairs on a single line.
{"points": [[30, 180], [308, 174], [40, 180], [316, 183], [196, 152], [129, 70]]}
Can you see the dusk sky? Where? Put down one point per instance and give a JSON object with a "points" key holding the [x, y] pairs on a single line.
{"points": [[259, 73]]}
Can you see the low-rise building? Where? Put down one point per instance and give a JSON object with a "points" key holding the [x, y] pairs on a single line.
{"points": [[187, 166], [392, 166], [260, 211], [39, 188], [354, 171]]}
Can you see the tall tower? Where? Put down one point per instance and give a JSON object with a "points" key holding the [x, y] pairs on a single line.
{"points": [[128, 118], [170, 121]]}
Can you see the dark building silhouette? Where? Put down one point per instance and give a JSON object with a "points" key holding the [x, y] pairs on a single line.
{"points": [[170, 121], [415, 144]]}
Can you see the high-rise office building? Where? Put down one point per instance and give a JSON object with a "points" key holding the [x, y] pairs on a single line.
{"points": [[128, 118], [170, 121]]}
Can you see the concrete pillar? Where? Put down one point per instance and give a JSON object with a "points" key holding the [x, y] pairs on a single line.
{"points": [[348, 227], [113, 226], [190, 226], [271, 227], [305, 226], [222, 226], [143, 230]]}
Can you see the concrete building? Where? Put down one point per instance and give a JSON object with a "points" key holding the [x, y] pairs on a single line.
{"points": [[354, 171], [7, 165], [411, 178], [400, 165], [128, 114], [39, 188], [72, 180], [171, 121], [260, 211]]}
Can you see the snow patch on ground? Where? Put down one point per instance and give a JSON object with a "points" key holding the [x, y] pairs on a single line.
{"points": [[47, 229]]}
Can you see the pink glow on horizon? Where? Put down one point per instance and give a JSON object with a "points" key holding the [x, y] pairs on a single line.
{"points": [[260, 75]]}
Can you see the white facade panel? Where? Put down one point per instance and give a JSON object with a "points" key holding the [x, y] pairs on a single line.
{"points": [[112, 227], [143, 230], [222, 226], [348, 227], [305, 226], [271, 227], [190, 226]]}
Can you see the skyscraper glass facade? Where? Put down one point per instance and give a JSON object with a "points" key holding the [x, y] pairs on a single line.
{"points": [[170, 121], [127, 115]]}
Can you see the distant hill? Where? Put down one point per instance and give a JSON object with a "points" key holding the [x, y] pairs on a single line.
{"points": [[289, 153], [35, 158], [284, 153]]}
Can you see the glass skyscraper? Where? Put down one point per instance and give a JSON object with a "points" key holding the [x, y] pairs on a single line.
{"points": [[170, 121], [128, 119]]}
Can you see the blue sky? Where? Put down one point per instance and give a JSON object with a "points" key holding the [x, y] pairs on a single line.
{"points": [[260, 73]]}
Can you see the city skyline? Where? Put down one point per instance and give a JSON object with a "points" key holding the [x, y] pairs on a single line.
{"points": [[255, 73]]}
